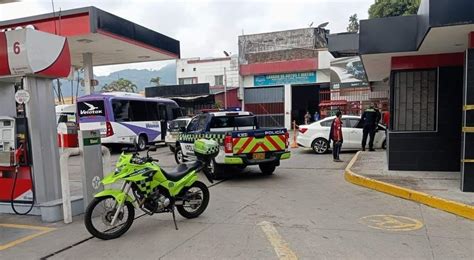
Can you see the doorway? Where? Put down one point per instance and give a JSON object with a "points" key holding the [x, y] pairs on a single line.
{"points": [[304, 98]]}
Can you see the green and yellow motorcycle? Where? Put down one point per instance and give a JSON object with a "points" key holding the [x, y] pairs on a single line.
{"points": [[145, 186]]}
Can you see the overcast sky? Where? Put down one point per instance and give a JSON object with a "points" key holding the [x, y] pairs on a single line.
{"points": [[205, 28]]}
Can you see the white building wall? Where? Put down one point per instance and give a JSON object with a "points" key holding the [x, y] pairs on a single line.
{"points": [[205, 70]]}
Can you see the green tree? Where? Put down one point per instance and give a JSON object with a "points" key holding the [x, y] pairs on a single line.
{"points": [[155, 81], [121, 84], [353, 23], [386, 8]]}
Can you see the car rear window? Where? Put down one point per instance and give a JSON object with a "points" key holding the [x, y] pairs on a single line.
{"points": [[326, 123], [233, 122]]}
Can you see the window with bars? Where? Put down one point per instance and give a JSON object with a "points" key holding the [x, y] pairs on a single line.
{"points": [[219, 80], [414, 100]]}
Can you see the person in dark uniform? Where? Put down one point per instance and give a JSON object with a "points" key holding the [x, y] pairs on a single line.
{"points": [[370, 119]]}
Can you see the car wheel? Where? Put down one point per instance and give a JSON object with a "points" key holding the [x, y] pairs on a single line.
{"points": [[320, 145], [171, 148], [141, 142], [178, 155]]}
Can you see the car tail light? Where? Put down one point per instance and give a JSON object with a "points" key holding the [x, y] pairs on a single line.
{"points": [[110, 130], [228, 144], [302, 130]]}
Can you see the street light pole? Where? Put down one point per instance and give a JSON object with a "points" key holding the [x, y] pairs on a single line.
{"points": [[225, 88]]}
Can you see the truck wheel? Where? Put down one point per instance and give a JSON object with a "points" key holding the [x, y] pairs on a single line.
{"points": [[267, 168], [178, 155], [217, 170]]}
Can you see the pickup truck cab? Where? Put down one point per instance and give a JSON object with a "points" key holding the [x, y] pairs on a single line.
{"points": [[242, 141]]}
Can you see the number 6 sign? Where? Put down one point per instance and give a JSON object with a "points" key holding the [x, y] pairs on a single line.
{"points": [[27, 51], [16, 48]]}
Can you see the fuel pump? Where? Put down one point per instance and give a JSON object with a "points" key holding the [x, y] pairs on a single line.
{"points": [[30, 172], [15, 167]]}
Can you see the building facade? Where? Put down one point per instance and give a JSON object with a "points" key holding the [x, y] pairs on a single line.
{"points": [[282, 74], [217, 72], [428, 61]]}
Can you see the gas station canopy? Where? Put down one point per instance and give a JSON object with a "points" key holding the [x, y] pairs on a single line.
{"points": [[109, 38]]}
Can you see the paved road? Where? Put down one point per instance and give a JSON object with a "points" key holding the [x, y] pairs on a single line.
{"points": [[305, 210]]}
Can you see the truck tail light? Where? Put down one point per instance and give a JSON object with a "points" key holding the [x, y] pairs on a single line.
{"points": [[302, 130], [287, 138], [110, 130], [228, 144]]}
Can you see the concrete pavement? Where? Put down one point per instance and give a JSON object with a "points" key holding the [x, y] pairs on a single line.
{"points": [[440, 190], [314, 212]]}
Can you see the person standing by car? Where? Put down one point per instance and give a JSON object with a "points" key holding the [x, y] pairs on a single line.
{"points": [[307, 118], [335, 134], [370, 119], [316, 116]]}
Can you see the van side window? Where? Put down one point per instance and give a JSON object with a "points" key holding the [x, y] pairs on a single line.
{"points": [[121, 109]]}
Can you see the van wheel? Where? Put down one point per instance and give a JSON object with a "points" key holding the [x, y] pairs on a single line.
{"points": [[142, 141]]}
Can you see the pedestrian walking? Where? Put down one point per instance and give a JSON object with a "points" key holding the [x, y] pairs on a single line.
{"points": [[335, 135], [316, 116], [307, 118], [370, 119]]}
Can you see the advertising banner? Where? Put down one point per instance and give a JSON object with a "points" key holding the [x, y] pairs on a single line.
{"points": [[348, 72], [287, 78]]}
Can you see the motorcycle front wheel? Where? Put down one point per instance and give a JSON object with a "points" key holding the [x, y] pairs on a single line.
{"points": [[99, 215], [195, 200]]}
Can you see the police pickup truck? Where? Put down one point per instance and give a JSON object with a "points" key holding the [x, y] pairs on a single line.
{"points": [[242, 141]]}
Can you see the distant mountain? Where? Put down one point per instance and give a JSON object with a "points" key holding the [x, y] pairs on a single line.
{"points": [[141, 78]]}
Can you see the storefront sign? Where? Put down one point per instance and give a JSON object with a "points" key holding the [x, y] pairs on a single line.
{"points": [[282, 79]]}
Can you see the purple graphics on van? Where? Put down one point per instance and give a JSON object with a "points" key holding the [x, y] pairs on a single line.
{"points": [[151, 134]]}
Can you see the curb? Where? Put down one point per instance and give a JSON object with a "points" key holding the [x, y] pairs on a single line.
{"points": [[457, 208]]}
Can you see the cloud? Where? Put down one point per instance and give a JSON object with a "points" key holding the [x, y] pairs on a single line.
{"points": [[206, 28]]}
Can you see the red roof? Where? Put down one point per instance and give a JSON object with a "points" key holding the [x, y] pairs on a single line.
{"points": [[279, 67]]}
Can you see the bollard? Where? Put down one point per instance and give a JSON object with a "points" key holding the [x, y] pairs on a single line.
{"points": [[63, 163], [294, 144], [66, 193]]}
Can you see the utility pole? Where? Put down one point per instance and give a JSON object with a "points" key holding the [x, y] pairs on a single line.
{"points": [[225, 88]]}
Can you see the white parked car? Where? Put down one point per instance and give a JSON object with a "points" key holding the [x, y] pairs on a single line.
{"points": [[174, 128], [316, 135]]}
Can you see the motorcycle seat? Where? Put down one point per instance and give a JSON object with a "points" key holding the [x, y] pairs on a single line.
{"points": [[181, 170]]}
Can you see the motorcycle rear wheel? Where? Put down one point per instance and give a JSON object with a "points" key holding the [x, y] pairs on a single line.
{"points": [[197, 191], [105, 214]]}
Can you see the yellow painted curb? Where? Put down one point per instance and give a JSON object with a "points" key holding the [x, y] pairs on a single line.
{"points": [[450, 206]]}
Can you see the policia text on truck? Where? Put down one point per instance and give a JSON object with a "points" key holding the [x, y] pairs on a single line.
{"points": [[242, 141]]}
